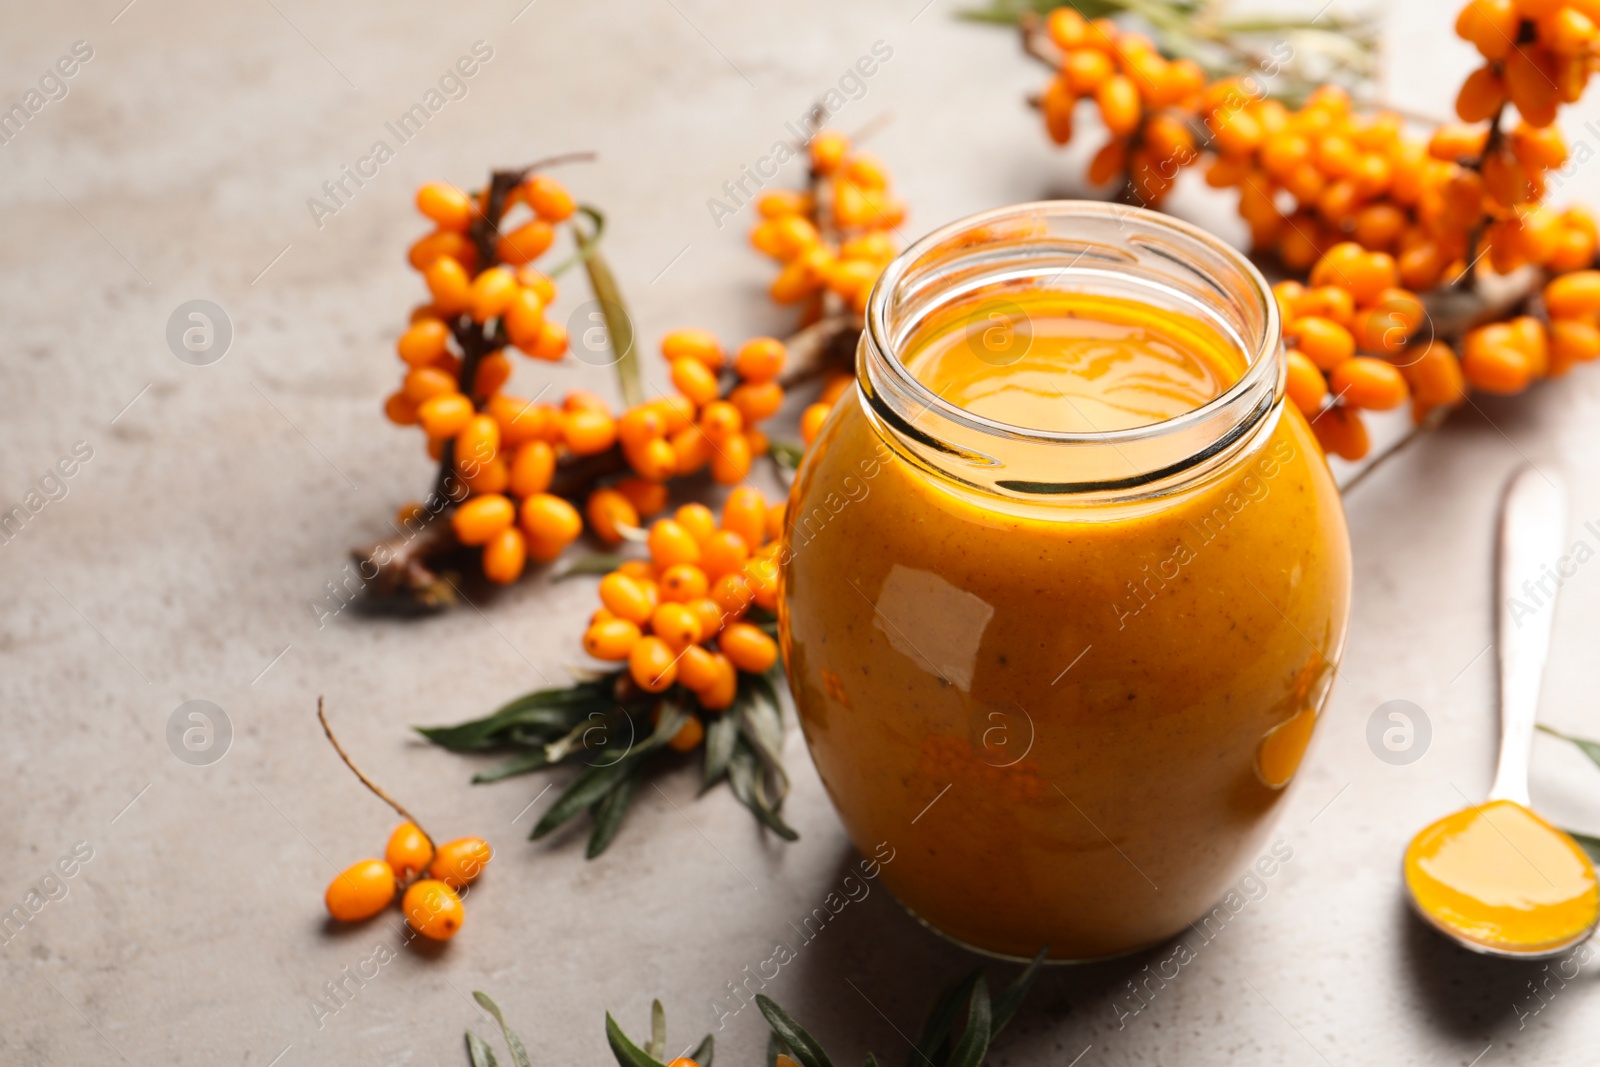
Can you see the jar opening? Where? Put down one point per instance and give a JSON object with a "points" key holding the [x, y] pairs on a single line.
{"points": [[999, 261]]}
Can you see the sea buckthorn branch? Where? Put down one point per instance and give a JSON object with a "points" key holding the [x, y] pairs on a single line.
{"points": [[692, 626], [433, 877], [1447, 237]]}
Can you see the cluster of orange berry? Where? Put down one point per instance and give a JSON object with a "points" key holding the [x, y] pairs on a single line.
{"points": [[850, 201], [1144, 100], [660, 615], [431, 904]]}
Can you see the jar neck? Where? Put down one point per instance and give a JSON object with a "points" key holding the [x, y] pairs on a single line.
{"points": [[1072, 247]]}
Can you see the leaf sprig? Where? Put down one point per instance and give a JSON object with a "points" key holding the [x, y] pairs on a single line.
{"points": [[619, 731]]}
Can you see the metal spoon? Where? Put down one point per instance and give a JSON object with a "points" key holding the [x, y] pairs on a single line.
{"points": [[1461, 847]]}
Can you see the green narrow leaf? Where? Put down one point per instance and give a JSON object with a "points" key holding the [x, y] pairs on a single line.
{"points": [[704, 1051], [1588, 842], [519, 1054], [522, 764], [802, 1046], [744, 776], [934, 1043], [589, 563], [479, 1052], [974, 1043], [721, 734], [1007, 1003], [619, 325], [627, 1053], [658, 1031], [585, 789], [543, 706], [1589, 748], [608, 813], [872, 1061]]}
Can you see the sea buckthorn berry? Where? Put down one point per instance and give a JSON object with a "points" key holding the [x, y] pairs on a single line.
{"points": [[828, 149], [550, 519], [505, 556], [683, 582], [696, 667], [1306, 386], [757, 400], [481, 518], [1482, 95], [677, 411], [479, 439], [694, 380], [722, 689], [699, 345], [811, 420], [587, 433], [761, 575], [532, 468], [775, 513], [691, 449], [760, 444], [1365, 382], [483, 478], [1574, 295], [360, 891], [424, 342], [526, 243], [1084, 69], [778, 202], [1118, 100], [409, 851], [1324, 342], [460, 862], [653, 664], [424, 383], [745, 513], [670, 543], [1572, 342], [494, 370], [640, 425], [732, 594], [656, 459], [524, 319], [609, 512], [724, 552], [1433, 373], [1340, 431], [687, 739], [447, 281], [637, 569], [442, 243], [548, 198], [748, 648], [650, 498], [675, 624], [520, 419], [611, 639], [784, 238], [710, 615], [449, 207], [400, 409], [433, 909], [720, 420], [626, 598], [1490, 26], [1530, 78], [551, 344], [491, 293], [1327, 302], [730, 460], [1496, 368], [698, 520]]}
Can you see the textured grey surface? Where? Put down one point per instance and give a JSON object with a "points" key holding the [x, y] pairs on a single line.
{"points": [[185, 558]]}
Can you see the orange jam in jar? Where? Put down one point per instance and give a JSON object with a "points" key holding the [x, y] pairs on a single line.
{"points": [[1065, 581]]}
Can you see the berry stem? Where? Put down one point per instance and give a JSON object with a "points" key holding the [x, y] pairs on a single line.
{"points": [[322, 717]]}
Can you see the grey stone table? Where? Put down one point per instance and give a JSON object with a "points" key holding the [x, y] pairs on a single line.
{"points": [[209, 506]]}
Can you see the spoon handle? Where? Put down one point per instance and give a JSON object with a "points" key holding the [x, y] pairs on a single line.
{"points": [[1533, 523]]}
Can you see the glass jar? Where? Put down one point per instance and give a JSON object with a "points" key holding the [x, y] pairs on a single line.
{"points": [[1066, 676]]}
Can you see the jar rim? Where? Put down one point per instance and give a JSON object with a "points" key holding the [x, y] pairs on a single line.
{"points": [[1260, 351]]}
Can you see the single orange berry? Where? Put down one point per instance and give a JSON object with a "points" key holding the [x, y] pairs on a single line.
{"points": [[650, 498], [698, 520], [760, 359], [654, 459], [694, 380], [653, 664], [696, 667], [761, 575], [459, 862], [720, 692], [610, 639], [710, 615], [609, 512], [425, 383], [449, 207], [626, 598], [588, 433], [719, 420], [360, 891], [675, 624], [730, 460], [1324, 342], [683, 582], [400, 409], [757, 400], [745, 513], [444, 416], [551, 343], [1306, 386], [409, 851], [748, 647], [448, 282], [479, 440], [550, 519], [775, 515], [811, 420], [691, 450], [732, 594], [481, 518], [699, 345], [1365, 382], [549, 198], [526, 243], [505, 556], [491, 293], [724, 552], [433, 909], [671, 543], [424, 342], [532, 468], [828, 150]]}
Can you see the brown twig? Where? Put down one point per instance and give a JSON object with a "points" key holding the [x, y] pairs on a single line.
{"points": [[368, 782]]}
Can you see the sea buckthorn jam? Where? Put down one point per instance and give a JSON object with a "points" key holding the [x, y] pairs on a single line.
{"points": [[1065, 581]]}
